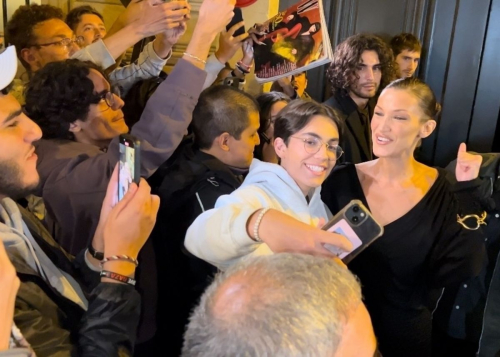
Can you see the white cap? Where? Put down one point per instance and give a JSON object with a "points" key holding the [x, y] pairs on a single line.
{"points": [[8, 66]]}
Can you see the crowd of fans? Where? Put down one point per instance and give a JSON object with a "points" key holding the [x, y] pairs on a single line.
{"points": [[218, 250]]}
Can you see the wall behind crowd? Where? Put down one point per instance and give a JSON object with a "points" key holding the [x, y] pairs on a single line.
{"points": [[461, 47]]}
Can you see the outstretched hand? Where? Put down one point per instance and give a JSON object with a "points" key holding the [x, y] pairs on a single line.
{"points": [[468, 164]]}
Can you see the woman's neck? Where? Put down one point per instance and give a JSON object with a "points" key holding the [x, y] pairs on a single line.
{"points": [[390, 169]]}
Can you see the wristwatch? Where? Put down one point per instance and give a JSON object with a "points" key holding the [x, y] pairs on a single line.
{"points": [[95, 254]]}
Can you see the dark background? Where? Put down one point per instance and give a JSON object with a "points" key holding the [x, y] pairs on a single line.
{"points": [[460, 61]]}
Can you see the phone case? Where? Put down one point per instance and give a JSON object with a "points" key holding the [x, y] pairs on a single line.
{"points": [[366, 232], [134, 143]]}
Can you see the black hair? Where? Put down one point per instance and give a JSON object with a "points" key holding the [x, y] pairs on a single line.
{"points": [[296, 115], [266, 102], [221, 109], [59, 94], [347, 56], [19, 30], [75, 15]]}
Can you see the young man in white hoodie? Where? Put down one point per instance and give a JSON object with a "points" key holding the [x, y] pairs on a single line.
{"points": [[274, 201]]}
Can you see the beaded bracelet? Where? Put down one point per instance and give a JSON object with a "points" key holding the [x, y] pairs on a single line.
{"points": [[242, 70], [257, 225], [117, 277], [122, 257], [195, 57], [247, 66]]}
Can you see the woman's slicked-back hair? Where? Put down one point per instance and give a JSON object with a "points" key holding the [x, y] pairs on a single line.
{"points": [[296, 115], [347, 56], [59, 94], [426, 98]]}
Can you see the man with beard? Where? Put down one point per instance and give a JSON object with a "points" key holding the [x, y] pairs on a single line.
{"points": [[64, 306], [362, 66]]}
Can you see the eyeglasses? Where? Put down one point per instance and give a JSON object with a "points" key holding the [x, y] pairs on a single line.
{"points": [[109, 97], [65, 42], [312, 145]]}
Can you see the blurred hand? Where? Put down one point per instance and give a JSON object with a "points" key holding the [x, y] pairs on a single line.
{"points": [[173, 35], [257, 31], [248, 53], [287, 86], [468, 165], [228, 45], [10, 285], [151, 17], [214, 15], [130, 222]]}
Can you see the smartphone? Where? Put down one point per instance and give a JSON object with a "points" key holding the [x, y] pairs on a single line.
{"points": [[238, 17], [356, 223], [129, 170]]}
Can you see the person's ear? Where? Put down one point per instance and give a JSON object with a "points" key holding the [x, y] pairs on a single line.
{"points": [[280, 147], [29, 56], [75, 127], [223, 141], [427, 128]]}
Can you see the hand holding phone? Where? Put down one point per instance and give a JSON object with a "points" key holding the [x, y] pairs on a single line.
{"points": [[356, 223], [129, 166]]}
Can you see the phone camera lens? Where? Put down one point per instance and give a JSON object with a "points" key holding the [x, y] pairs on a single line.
{"points": [[355, 208], [355, 219]]}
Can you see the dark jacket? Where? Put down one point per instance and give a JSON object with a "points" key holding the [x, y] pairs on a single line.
{"points": [[74, 176], [461, 308], [54, 325], [356, 137], [190, 185]]}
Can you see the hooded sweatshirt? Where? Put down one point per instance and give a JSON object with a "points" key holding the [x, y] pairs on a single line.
{"points": [[219, 236]]}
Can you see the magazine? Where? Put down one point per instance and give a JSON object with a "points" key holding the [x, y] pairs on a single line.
{"points": [[293, 41]]}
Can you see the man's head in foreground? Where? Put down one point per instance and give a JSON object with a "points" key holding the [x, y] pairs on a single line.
{"points": [[282, 305], [18, 175]]}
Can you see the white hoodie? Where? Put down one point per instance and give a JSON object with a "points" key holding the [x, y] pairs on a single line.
{"points": [[219, 236]]}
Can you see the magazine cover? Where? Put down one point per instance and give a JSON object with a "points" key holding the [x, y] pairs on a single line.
{"points": [[293, 41]]}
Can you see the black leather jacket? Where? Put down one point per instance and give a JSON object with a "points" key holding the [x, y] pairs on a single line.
{"points": [[54, 325]]}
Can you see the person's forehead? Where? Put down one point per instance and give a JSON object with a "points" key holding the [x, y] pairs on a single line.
{"points": [[8, 105], [90, 19], [369, 57], [410, 53], [53, 28], [100, 83]]}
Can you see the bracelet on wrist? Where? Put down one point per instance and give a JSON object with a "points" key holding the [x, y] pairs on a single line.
{"points": [[257, 225], [196, 58], [97, 255], [117, 277], [242, 70], [240, 63], [121, 257]]}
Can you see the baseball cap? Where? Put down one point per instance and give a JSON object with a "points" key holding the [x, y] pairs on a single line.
{"points": [[8, 64]]}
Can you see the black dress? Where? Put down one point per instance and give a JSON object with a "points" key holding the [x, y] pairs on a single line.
{"points": [[424, 249]]}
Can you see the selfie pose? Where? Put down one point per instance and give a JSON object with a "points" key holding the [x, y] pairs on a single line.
{"points": [[428, 241], [263, 215]]}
